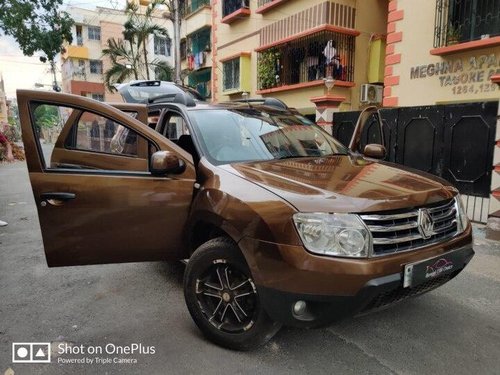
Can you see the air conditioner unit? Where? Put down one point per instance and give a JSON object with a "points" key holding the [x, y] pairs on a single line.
{"points": [[371, 94]]}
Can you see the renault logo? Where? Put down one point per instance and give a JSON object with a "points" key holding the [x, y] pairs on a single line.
{"points": [[425, 223]]}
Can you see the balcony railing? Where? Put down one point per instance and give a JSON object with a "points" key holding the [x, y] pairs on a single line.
{"points": [[193, 5], [231, 6], [459, 21], [307, 59]]}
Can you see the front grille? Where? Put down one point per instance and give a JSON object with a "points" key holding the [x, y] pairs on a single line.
{"points": [[400, 293], [398, 231]]}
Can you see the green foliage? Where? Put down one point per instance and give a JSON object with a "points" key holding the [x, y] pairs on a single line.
{"points": [[46, 116], [129, 56], [266, 69], [164, 72], [36, 25]]}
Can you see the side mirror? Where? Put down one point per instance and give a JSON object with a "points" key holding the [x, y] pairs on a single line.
{"points": [[165, 162], [374, 151]]}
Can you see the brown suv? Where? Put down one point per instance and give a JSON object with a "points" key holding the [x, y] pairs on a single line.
{"points": [[281, 223]]}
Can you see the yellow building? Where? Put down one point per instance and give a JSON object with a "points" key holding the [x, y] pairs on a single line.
{"points": [[286, 49]]}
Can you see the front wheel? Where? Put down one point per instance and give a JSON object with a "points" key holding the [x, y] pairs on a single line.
{"points": [[222, 298]]}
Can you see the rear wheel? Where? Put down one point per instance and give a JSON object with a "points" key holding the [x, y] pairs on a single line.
{"points": [[222, 298]]}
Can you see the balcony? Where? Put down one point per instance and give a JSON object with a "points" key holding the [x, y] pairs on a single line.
{"points": [[199, 46], [233, 10], [199, 16], [193, 6], [306, 61], [466, 24], [264, 6], [76, 52]]}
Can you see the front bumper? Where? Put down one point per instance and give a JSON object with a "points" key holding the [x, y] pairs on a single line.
{"points": [[334, 288], [377, 293]]}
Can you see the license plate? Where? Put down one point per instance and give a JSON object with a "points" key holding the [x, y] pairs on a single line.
{"points": [[425, 270]]}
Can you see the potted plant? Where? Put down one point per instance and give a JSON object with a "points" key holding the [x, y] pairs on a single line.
{"points": [[453, 35]]}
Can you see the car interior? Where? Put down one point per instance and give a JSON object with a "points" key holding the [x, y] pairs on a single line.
{"points": [[173, 126]]}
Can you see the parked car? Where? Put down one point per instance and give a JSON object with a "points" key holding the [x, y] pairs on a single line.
{"points": [[280, 223]]}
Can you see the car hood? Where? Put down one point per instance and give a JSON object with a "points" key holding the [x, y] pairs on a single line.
{"points": [[344, 183]]}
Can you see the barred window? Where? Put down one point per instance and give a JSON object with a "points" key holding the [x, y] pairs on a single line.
{"points": [[459, 21], [231, 71], [96, 66], [94, 33], [99, 97], [162, 45]]}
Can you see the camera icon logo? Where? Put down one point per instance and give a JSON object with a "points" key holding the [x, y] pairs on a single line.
{"points": [[31, 352]]}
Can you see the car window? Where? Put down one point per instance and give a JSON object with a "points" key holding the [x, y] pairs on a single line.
{"points": [[175, 126], [76, 139], [97, 133]]}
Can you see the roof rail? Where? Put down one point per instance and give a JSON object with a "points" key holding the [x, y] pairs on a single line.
{"points": [[179, 98], [271, 102]]}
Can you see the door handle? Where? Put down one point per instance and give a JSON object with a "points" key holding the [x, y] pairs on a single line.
{"points": [[56, 199]]}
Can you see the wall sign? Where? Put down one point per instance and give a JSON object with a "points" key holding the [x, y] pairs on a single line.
{"points": [[468, 75]]}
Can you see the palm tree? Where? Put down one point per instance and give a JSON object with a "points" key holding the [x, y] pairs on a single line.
{"points": [[129, 56], [125, 62], [141, 26]]}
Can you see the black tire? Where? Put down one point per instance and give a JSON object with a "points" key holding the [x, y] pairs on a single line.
{"points": [[222, 298]]}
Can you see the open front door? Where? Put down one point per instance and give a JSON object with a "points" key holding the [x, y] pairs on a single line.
{"points": [[104, 205]]}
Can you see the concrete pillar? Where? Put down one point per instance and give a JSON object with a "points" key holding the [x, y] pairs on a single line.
{"points": [[326, 106]]}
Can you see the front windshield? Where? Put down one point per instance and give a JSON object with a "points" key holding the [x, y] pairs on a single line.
{"points": [[234, 135]]}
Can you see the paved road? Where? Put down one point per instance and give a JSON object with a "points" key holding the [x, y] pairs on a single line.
{"points": [[453, 330]]}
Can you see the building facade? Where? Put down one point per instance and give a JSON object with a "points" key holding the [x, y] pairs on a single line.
{"points": [[83, 65], [442, 51], [196, 45], [287, 48]]}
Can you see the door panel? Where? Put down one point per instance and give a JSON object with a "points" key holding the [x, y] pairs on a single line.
{"points": [[112, 219], [469, 144], [115, 214], [420, 136]]}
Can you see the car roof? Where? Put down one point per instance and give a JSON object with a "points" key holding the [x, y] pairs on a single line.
{"points": [[143, 91]]}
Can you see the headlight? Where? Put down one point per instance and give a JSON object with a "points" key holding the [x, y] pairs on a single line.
{"points": [[462, 219], [334, 234]]}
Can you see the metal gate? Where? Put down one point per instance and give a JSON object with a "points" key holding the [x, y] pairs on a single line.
{"points": [[453, 141]]}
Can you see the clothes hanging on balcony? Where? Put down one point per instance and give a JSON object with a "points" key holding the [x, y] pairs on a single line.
{"points": [[190, 60]]}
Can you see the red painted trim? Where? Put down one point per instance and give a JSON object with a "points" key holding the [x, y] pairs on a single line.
{"points": [[467, 46], [394, 37], [497, 168], [391, 27], [297, 86], [389, 70], [396, 15], [393, 5], [496, 194], [314, 30], [393, 59], [495, 79], [391, 81], [391, 101], [328, 101], [236, 55], [389, 49], [267, 7], [240, 13], [387, 91]]}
